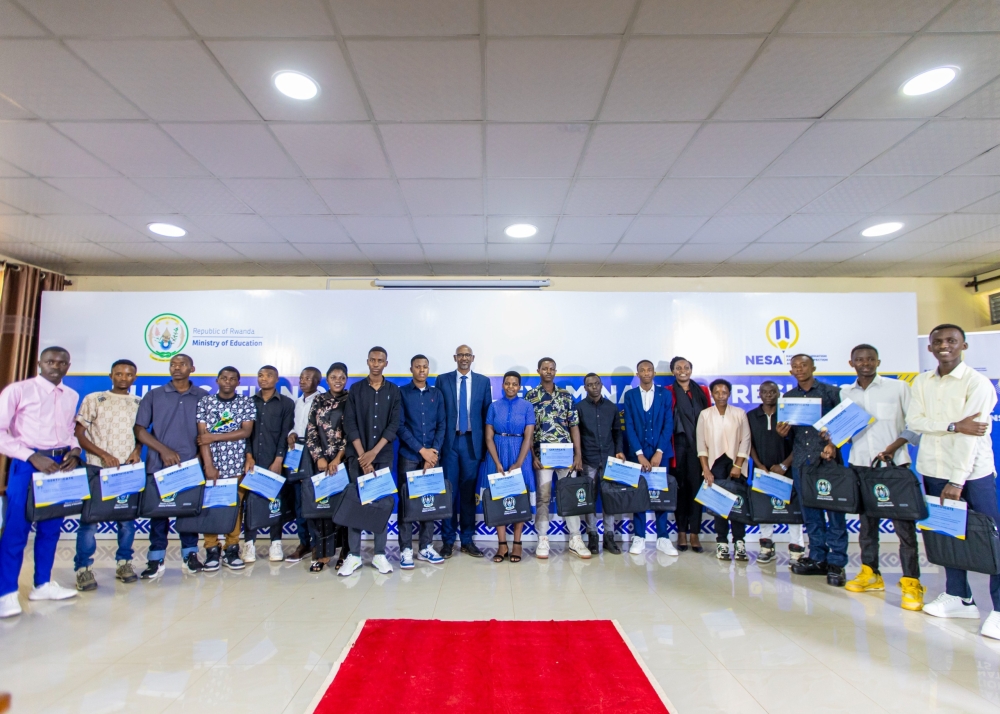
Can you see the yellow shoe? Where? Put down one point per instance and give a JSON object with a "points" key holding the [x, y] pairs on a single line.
{"points": [[867, 581], [913, 594]]}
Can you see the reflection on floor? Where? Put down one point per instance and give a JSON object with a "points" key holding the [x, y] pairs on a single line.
{"points": [[719, 637]]}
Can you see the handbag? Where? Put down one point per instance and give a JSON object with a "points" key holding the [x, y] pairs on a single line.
{"points": [[891, 492], [828, 486], [741, 509], [215, 520], [121, 508], [663, 500], [260, 512], [618, 498], [36, 514], [176, 505], [507, 510], [429, 507], [307, 469], [318, 510], [767, 509], [575, 496], [371, 517], [978, 552]]}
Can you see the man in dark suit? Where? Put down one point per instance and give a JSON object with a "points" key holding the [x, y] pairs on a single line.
{"points": [[467, 398], [649, 425]]}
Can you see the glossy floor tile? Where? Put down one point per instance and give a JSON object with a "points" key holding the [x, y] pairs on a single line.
{"points": [[718, 637]]}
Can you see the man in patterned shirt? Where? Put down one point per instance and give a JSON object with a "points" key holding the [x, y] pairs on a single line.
{"points": [[556, 422], [104, 428], [225, 422]]}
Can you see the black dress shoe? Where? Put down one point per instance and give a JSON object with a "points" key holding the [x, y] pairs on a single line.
{"points": [[447, 550], [610, 546], [592, 543], [472, 549], [808, 566], [835, 576]]}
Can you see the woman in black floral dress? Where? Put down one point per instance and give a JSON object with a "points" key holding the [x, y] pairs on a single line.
{"points": [[325, 442]]}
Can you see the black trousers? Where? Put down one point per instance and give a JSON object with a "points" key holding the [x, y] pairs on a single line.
{"points": [[906, 531], [425, 528], [722, 530], [689, 479], [326, 537]]}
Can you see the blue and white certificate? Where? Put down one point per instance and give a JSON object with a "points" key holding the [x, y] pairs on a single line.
{"points": [[374, 486], [843, 422], [656, 478], [774, 485], [220, 493], [716, 499], [624, 472], [326, 485], [127, 478], [293, 458], [422, 483], [263, 482], [185, 475], [507, 484], [949, 519], [556, 456], [800, 411], [60, 487]]}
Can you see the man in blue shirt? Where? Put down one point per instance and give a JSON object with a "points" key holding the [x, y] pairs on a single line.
{"points": [[421, 435]]}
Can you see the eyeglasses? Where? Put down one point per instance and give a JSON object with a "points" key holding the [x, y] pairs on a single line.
{"points": [[464, 354]]}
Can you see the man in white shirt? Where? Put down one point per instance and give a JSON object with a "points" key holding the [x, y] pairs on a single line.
{"points": [[309, 381], [951, 408], [888, 400]]}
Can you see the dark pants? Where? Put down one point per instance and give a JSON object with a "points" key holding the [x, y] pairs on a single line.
{"points": [[158, 530], [325, 536], [722, 530], [461, 468], [906, 531], [426, 528], [981, 495], [689, 479], [354, 534], [300, 523], [639, 519], [827, 530]]}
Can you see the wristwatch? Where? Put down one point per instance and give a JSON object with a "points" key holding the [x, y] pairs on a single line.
{"points": [[951, 428], [784, 469]]}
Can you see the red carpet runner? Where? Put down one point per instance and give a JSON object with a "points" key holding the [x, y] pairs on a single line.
{"points": [[494, 667]]}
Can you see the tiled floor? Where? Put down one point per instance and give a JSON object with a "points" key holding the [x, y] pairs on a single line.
{"points": [[718, 637]]}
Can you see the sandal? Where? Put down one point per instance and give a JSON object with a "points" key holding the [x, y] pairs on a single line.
{"points": [[317, 566], [516, 557], [499, 557]]}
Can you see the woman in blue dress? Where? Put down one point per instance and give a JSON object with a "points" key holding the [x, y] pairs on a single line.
{"points": [[510, 423]]}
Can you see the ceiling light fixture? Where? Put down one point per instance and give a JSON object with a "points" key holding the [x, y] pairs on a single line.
{"points": [[295, 85], [520, 230], [168, 230], [881, 229], [930, 81]]}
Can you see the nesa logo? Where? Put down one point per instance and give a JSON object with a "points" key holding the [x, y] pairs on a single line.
{"points": [[782, 333]]}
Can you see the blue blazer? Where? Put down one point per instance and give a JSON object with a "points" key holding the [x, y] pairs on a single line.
{"points": [[663, 424], [482, 397]]}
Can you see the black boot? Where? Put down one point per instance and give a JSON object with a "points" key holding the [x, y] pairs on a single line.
{"points": [[609, 544], [592, 542]]}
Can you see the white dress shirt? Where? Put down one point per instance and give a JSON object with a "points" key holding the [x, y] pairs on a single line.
{"points": [[727, 434], [647, 396], [302, 406], [468, 395], [888, 400], [938, 401]]}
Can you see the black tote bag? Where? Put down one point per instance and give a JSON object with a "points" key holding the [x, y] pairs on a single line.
{"points": [[507, 510], [306, 469], [619, 498], [663, 500], [217, 520], [36, 514], [979, 552], [322, 509], [767, 509], [176, 505], [741, 509], [829, 486], [96, 510], [371, 517], [891, 491], [429, 507], [260, 512], [575, 496]]}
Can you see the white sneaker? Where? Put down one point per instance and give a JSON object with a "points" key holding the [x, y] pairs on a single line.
{"points": [[351, 563], [638, 546], [405, 559], [578, 548], [381, 563], [275, 554], [430, 555], [248, 552], [9, 605], [665, 546], [51, 591], [722, 551], [542, 551], [945, 605], [991, 628]]}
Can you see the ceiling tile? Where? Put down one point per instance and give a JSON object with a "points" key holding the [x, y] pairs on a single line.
{"points": [[144, 251], [949, 229], [736, 229], [796, 270], [9, 210], [947, 194], [108, 18], [400, 269], [957, 252], [709, 17], [986, 164], [642, 254], [495, 226], [434, 150], [862, 15], [608, 196], [394, 252], [834, 252], [547, 79], [809, 228], [31, 229], [10, 110], [111, 195], [635, 150], [677, 270], [538, 196], [693, 197], [378, 229], [209, 252], [743, 149], [33, 196], [239, 229], [334, 150], [591, 229], [85, 251], [267, 252], [676, 79], [347, 252], [894, 252], [234, 150], [970, 16], [195, 233], [34, 254], [445, 268], [278, 197], [369, 197], [767, 253], [534, 150], [256, 18], [778, 195], [41, 150], [14, 22], [133, 149], [706, 252], [663, 229], [937, 147], [991, 235], [455, 252], [515, 269], [309, 229], [450, 229], [839, 148], [194, 196], [407, 17], [864, 194], [595, 252], [443, 197], [624, 270], [100, 229], [574, 270], [516, 252], [9, 171], [252, 65], [418, 79], [987, 205], [557, 17], [910, 221], [983, 103]]}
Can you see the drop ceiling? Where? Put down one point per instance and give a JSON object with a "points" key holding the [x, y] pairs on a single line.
{"points": [[642, 138]]}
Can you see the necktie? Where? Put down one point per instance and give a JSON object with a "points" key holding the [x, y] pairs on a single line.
{"points": [[463, 406]]}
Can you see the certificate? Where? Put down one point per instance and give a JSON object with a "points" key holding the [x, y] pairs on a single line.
{"points": [[556, 456], [716, 499], [263, 482], [374, 486], [656, 478], [423, 483], [326, 485], [293, 458], [185, 475], [949, 519], [843, 422], [221, 492], [507, 484], [61, 487], [624, 472], [800, 411], [128, 478], [773, 485]]}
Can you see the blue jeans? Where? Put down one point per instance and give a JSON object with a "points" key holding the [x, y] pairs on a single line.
{"points": [[86, 543], [827, 530], [662, 525], [981, 495], [158, 530], [461, 468]]}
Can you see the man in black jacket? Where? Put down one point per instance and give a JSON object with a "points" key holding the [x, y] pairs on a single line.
{"points": [[600, 437]]}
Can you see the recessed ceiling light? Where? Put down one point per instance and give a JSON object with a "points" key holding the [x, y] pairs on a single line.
{"points": [[296, 85], [930, 81], [167, 229], [882, 229], [520, 230]]}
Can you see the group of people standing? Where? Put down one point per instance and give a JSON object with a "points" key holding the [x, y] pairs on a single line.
{"points": [[455, 424]]}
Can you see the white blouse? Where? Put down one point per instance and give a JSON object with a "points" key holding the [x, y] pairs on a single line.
{"points": [[727, 434]]}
